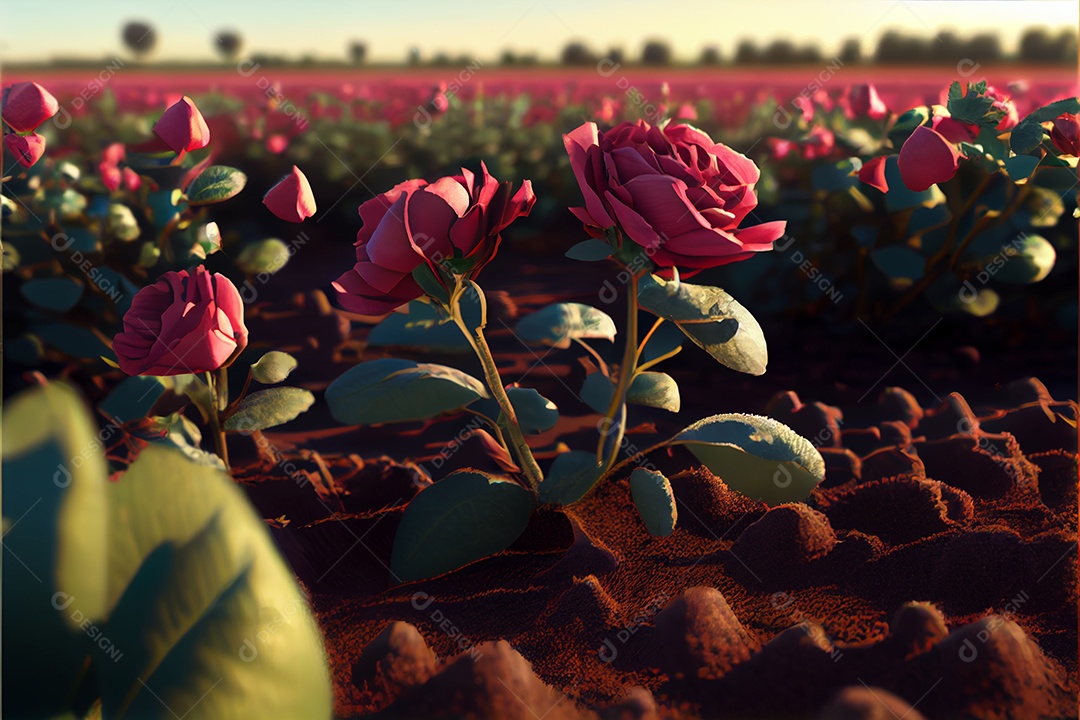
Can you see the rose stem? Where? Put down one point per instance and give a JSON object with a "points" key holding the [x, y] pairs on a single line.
{"points": [[626, 374], [220, 447], [494, 382]]}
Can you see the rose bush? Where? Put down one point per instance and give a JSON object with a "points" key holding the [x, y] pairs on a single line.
{"points": [[186, 322], [671, 190], [452, 223]]}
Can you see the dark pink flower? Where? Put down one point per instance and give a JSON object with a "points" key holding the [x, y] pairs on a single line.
{"points": [[863, 101], [454, 219], [26, 149], [927, 158], [1065, 134], [1005, 104], [184, 323], [27, 105], [873, 173], [673, 191], [953, 130], [182, 127], [291, 199]]}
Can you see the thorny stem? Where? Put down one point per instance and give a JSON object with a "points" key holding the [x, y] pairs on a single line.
{"points": [[626, 376], [219, 388], [511, 428]]}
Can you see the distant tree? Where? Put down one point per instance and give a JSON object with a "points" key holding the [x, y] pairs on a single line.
{"points": [[984, 48], [947, 48], [850, 52], [139, 37], [656, 52], [508, 57], [1038, 45], [779, 52], [809, 55], [228, 43], [895, 48], [357, 52], [1066, 46], [616, 55], [747, 53], [710, 55], [414, 56], [577, 53], [441, 59]]}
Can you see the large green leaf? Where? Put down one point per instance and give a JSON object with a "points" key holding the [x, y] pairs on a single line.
{"points": [[134, 396], [55, 539], [560, 323], [269, 408], [571, 476], [534, 412], [757, 456], [273, 367], [1026, 136], [426, 327], [466, 516], [215, 184], [651, 389], [207, 615], [56, 294], [393, 390], [901, 264], [1027, 259], [712, 319], [264, 256], [654, 500]]}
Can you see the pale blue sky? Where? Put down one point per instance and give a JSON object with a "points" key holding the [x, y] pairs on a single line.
{"points": [[41, 29]]}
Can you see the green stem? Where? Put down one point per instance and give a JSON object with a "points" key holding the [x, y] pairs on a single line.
{"points": [[626, 376], [212, 382], [509, 423]]}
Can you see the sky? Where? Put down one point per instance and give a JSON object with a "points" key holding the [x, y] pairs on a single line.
{"points": [[43, 29]]}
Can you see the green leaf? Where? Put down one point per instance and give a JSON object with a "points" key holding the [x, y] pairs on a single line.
{"points": [[215, 184], [831, 177], [973, 107], [56, 294], [72, 340], [757, 456], [1020, 167], [273, 367], [712, 319], [535, 413], [654, 500], [269, 408], [430, 284], [901, 264], [121, 223], [426, 327], [590, 250], [572, 475], [1026, 136], [560, 323], [466, 516], [906, 124], [1048, 112], [203, 609], [650, 389], [393, 390], [265, 256], [133, 397], [1027, 259], [664, 341], [54, 482], [984, 303]]}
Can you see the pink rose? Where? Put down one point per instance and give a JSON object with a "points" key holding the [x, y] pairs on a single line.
{"points": [[291, 199], [455, 220], [927, 158], [27, 105], [26, 149], [183, 323], [182, 127], [673, 191], [863, 101], [1065, 134]]}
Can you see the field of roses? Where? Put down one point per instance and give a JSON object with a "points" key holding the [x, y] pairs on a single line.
{"points": [[241, 308]]}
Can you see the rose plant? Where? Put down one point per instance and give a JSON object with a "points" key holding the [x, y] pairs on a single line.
{"points": [[662, 203]]}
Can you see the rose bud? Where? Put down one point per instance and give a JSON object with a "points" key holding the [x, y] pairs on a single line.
{"points": [[27, 149], [1065, 134], [291, 199], [673, 191], [926, 159], [455, 219], [182, 127], [863, 100], [873, 173], [27, 105], [184, 323]]}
